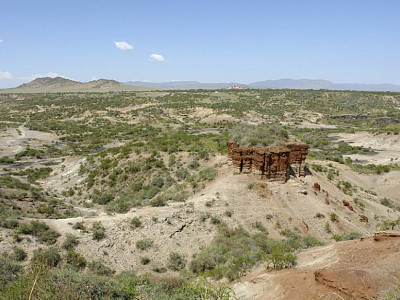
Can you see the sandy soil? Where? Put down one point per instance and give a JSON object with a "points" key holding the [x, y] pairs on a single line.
{"points": [[364, 269], [14, 140], [386, 147]]}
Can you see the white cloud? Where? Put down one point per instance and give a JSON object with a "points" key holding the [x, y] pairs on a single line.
{"points": [[54, 75], [157, 57], [1, 40], [123, 46], [6, 75]]}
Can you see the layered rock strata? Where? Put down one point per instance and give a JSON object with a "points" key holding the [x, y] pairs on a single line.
{"points": [[270, 163]]}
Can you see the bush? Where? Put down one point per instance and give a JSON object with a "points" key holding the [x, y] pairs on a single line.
{"points": [[258, 225], [158, 201], [79, 226], [75, 259], [40, 230], [144, 244], [144, 260], [229, 213], [182, 173], [99, 268], [46, 257], [9, 271], [260, 135], [18, 254], [135, 222], [282, 260], [387, 202], [353, 235], [176, 261], [9, 223], [70, 241], [158, 267], [208, 173], [334, 217], [98, 231]]}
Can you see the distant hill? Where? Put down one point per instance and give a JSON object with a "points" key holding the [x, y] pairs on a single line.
{"points": [[48, 82], [64, 85], [321, 84], [302, 84], [185, 85]]}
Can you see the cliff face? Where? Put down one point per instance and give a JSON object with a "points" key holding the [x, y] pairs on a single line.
{"points": [[270, 163]]}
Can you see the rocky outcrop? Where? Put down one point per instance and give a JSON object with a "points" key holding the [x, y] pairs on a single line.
{"points": [[270, 163]]}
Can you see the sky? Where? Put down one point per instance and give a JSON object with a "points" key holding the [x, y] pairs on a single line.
{"points": [[344, 41]]}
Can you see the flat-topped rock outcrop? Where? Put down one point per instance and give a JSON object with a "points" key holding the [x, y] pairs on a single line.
{"points": [[273, 163]]}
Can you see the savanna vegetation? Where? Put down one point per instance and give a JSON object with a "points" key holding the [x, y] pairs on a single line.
{"points": [[150, 149]]}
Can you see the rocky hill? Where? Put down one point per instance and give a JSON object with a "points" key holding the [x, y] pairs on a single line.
{"points": [[64, 85], [49, 82]]}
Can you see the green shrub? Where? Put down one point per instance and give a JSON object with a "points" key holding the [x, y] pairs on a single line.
{"points": [[75, 260], [327, 228], [40, 230], [353, 235], [387, 202], [144, 244], [9, 223], [99, 268], [215, 220], [208, 173], [18, 254], [145, 260], [158, 267], [9, 271], [79, 226], [282, 260], [46, 257], [260, 135], [98, 231], [136, 223], [389, 224], [194, 164], [334, 217], [182, 173], [258, 225], [70, 241], [229, 213], [176, 261], [158, 201]]}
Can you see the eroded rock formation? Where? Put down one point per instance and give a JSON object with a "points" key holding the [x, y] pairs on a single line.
{"points": [[270, 163]]}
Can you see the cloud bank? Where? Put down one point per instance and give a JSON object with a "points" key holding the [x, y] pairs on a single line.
{"points": [[123, 46], [157, 57]]}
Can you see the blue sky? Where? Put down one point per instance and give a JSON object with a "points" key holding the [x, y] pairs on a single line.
{"points": [[349, 41]]}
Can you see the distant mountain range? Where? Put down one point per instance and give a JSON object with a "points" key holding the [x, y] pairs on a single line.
{"points": [[184, 85], [303, 84], [64, 85]]}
